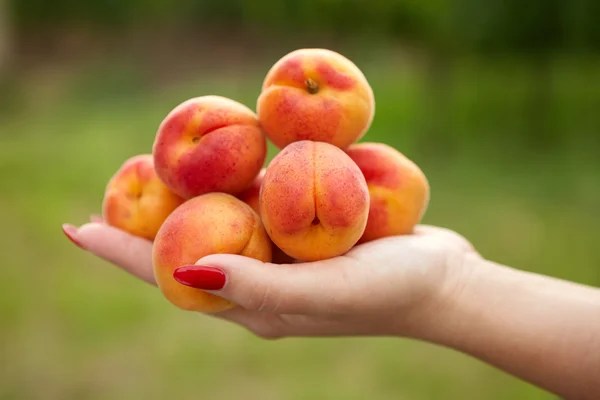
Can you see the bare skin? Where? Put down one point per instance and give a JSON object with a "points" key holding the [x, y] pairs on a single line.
{"points": [[431, 286]]}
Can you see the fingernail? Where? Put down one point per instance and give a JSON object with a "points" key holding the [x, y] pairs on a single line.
{"points": [[200, 277], [96, 218], [70, 231]]}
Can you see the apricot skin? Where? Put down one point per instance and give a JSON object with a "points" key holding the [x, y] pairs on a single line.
{"points": [[398, 188], [251, 196], [208, 224], [318, 95], [209, 144], [314, 201], [136, 200]]}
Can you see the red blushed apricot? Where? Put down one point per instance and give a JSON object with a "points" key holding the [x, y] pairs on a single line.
{"points": [[314, 201], [398, 188], [209, 144], [136, 200], [251, 197], [318, 95], [208, 224]]}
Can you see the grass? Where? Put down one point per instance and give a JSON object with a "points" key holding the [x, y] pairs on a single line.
{"points": [[74, 327]]}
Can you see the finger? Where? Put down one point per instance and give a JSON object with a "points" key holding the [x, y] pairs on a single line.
{"points": [[310, 288], [129, 252], [431, 230], [445, 233], [96, 218]]}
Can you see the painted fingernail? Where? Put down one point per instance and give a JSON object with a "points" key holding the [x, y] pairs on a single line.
{"points": [[200, 277], [96, 218], [70, 231]]}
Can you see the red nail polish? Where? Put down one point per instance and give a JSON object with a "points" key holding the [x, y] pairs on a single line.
{"points": [[200, 277], [70, 231]]}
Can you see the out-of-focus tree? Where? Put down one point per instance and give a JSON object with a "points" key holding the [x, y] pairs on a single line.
{"points": [[510, 25], [5, 36], [532, 31]]}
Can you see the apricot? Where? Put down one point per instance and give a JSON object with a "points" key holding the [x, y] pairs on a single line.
{"points": [[398, 188], [209, 144], [318, 95], [314, 201], [251, 197], [208, 224], [136, 200]]}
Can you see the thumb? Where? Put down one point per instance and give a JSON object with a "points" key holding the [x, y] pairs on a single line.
{"points": [[304, 288]]}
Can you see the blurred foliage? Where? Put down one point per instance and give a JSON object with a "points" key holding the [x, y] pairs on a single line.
{"points": [[74, 327], [501, 114], [461, 25], [538, 34]]}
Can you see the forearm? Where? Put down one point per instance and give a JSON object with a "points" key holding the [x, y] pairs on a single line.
{"points": [[543, 330]]}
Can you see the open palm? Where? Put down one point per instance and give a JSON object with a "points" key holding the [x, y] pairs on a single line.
{"points": [[378, 288]]}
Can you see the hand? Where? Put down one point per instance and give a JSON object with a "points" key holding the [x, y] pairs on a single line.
{"points": [[431, 285], [391, 286]]}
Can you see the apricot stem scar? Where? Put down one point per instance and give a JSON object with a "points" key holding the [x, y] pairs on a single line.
{"points": [[311, 86]]}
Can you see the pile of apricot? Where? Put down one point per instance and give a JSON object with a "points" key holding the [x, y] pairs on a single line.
{"points": [[206, 188]]}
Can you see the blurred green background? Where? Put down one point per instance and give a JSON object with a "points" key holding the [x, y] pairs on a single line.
{"points": [[498, 101]]}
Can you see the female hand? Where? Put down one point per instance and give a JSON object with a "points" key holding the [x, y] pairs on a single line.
{"points": [[387, 287], [431, 285]]}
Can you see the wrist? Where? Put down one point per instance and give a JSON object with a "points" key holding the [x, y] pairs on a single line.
{"points": [[536, 327], [439, 319]]}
